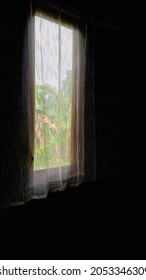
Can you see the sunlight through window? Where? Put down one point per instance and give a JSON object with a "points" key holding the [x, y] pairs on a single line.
{"points": [[53, 94]]}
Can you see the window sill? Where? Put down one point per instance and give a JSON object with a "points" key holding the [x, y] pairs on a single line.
{"points": [[55, 179]]}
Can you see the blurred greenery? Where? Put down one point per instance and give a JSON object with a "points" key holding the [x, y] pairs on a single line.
{"points": [[53, 124]]}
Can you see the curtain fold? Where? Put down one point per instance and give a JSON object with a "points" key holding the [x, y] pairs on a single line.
{"points": [[55, 144]]}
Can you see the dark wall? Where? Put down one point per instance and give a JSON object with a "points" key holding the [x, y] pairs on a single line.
{"points": [[107, 51], [73, 223]]}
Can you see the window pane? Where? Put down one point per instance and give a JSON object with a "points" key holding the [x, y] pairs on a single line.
{"points": [[53, 94]]}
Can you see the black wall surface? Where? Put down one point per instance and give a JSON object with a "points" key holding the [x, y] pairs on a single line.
{"points": [[79, 223]]}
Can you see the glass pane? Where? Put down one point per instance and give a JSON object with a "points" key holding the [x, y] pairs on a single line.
{"points": [[53, 94]]}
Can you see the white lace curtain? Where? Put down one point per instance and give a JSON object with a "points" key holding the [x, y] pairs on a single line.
{"points": [[57, 120]]}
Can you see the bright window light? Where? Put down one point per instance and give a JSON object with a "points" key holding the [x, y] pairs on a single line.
{"points": [[53, 94]]}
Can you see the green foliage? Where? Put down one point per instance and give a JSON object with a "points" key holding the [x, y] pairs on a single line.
{"points": [[53, 124]]}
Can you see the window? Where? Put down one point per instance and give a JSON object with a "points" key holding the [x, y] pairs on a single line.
{"points": [[53, 94], [59, 102]]}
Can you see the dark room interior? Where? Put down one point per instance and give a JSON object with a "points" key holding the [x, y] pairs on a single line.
{"points": [[79, 223]]}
